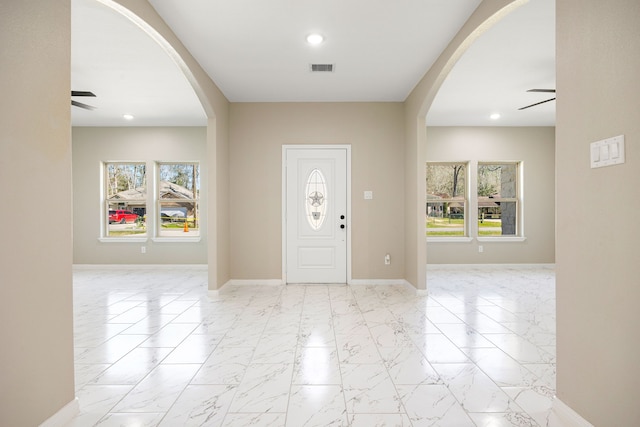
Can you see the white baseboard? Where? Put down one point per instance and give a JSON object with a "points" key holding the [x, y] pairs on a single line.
{"points": [[64, 415], [279, 282], [265, 282], [140, 267], [417, 292], [217, 292], [377, 282], [566, 416], [352, 282], [490, 266]]}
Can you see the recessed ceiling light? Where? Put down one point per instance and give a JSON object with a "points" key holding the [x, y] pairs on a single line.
{"points": [[494, 116], [315, 39], [127, 116]]}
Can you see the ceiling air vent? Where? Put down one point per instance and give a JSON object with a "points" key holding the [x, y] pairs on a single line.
{"points": [[322, 68]]}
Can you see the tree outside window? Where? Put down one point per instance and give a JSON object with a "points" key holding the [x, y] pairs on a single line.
{"points": [[498, 199], [446, 200], [125, 201], [178, 195]]}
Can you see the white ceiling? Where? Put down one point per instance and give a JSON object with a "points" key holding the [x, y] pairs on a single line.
{"points": [[255, 51], [128, 72], [516, 55]]}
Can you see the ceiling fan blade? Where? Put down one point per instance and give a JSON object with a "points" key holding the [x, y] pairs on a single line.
{"points": [[81, 105], [82, 93], [542, 90], [537, 103]]}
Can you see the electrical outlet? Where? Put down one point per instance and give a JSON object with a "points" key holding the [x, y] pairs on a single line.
{"points": [[387, 259], [143, 249], [480, 249]]}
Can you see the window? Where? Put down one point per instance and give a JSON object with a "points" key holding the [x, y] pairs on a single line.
{"points": [[125, 202], [447, 200], [498, 199], [178, 195], [498, 196], [316, 196]]}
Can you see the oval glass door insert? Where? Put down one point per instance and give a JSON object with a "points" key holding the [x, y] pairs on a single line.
{"points": [[316, 197]]}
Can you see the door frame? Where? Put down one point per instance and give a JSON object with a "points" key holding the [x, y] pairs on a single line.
{"points": [[285, 148]]}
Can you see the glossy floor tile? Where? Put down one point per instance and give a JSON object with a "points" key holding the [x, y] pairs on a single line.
{"points": [[154, 348]]}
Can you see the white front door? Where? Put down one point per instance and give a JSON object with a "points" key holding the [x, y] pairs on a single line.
{"points": [[315, 215]]}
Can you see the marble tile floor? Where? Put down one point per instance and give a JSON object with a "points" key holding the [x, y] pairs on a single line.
{"points": [[154, 348]]}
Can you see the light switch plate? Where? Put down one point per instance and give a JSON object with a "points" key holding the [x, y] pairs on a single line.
{"points": [[607, 152], [368, 195]]}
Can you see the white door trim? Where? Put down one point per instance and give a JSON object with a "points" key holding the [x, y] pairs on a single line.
{"points": [[346, 147]]}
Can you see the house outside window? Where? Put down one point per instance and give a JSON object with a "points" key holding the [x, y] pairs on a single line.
{"points": [[125, 203], [178, 188], [499, 203], [447, 204]]}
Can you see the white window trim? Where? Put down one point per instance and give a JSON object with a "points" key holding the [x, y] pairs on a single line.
{"points": [[156, 237], [459, 239], [151, 203], [467, 208], [153, 239], [176, 239], [472, 203], [504, 239], [519, 200], [123, 239], [104, 203]]}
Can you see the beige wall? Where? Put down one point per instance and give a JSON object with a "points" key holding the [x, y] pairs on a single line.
{"points": [[372, 230], [216, 106], [36, 325], [258, 132], [94, 145], [416, 106], [219, 249], [598, 261], [597, 266], [534, 147]]}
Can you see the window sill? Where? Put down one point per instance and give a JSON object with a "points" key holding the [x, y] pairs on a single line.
{"points": [[145, 239], [502, 239], [462, 239], [176, 239], [123, 239]]}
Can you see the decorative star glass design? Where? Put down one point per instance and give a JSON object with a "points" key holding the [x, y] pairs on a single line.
{"points": [[316, 199]]}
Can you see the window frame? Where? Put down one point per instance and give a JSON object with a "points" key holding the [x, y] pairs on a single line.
{"points": [[157, 202], [466, 236], [472, 214], [517, 199], [152, 203], [106, 201]]}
